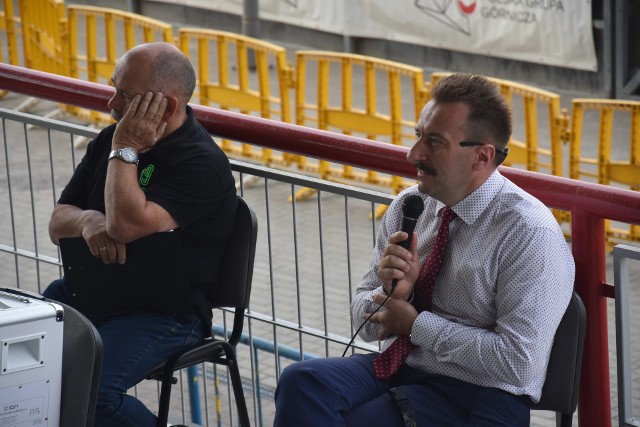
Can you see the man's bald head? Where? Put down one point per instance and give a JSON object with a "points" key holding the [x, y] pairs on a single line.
{"points": [[168, 70]]}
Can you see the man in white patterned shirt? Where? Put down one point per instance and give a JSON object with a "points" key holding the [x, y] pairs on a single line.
{"points": [[481, 352]]}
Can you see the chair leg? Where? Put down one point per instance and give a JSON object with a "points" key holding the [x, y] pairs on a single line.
{"points": [[165, 399], [241, 404], [564, 420], [236, 381]]}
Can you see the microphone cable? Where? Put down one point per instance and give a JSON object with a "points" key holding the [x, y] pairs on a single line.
{"points": [[393, 288]]}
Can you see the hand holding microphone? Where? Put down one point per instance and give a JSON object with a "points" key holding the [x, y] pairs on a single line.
{"points": [[412, 208]]}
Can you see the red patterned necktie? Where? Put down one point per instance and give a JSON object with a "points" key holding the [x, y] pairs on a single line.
{"points": [[389, 361]]}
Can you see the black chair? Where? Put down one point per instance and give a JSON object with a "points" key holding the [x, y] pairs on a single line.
{"points": [[81, 367], [234, 291], [561, 387]]}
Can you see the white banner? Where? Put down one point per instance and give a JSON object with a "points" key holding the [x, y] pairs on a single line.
{"points": [[323, 15], [551, 32]]}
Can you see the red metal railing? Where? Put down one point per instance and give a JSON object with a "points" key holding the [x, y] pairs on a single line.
{"points": [[588, 203]]}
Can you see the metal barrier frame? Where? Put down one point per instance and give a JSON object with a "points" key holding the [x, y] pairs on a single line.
{"points": [[621, 255], [607, 171], [373, 119], [254, 344], [589, 204], [44, 34], [239, 92], [10, 24]]}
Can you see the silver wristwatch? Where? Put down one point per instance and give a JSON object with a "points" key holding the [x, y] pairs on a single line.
{"points": [[126, 154]]}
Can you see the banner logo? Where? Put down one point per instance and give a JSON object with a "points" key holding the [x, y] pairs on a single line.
{"points": [[453, 14]]}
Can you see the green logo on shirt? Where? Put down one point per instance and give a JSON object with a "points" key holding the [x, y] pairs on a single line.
{"points": [[145, 176]]}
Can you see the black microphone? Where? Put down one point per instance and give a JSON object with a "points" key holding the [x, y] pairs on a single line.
{"points": [[412, 208]]}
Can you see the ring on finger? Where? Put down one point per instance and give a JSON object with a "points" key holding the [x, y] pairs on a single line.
{"points": [[104, 248]]}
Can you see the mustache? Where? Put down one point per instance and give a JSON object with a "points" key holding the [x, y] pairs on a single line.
{"points": [[116, 116], [424, 168]]}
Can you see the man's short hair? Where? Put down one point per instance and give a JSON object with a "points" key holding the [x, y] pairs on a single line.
{"points": [[173, 73], [489, 113]]}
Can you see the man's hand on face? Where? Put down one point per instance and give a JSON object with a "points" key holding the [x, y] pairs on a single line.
{"points": [[142, 125]]}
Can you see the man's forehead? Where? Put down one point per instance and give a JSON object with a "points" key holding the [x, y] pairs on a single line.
{"points": [[128, 74], [426, 114], [115, 76], [442, 118], [448, 109]]}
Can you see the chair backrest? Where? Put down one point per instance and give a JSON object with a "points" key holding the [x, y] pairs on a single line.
{"points": [[81, 366], [234, 286], [560, 390]]}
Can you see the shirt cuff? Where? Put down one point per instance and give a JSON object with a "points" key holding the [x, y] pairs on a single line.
{"points": [[426, 329]]}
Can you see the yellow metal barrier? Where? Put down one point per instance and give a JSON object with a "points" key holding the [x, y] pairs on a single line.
{"points": [[8, 28], [384, 86], [45, 35], [44, 39], [109, 33], [606, 163], [253, 77], [9, 24], [250, 76]]}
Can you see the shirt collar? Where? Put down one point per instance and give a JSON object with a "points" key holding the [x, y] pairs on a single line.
{"points": [[471, 207]]}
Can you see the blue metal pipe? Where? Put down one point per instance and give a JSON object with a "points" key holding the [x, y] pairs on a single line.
{"points": [[194, 395]]}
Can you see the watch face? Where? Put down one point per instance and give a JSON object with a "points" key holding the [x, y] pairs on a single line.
{"points": [[126, 154], [129, 154]]}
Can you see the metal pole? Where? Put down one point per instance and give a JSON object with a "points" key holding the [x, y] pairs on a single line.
{"points": [[347, 46], [194, 394], [251, 25], [608, 50], [250, 21], [621, 256], [134, 6], [588, 244]]}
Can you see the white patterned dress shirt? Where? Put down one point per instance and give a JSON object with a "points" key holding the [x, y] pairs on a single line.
{"points": [[504, 284]]}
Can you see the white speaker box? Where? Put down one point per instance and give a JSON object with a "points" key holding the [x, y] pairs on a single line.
{"points": [[30, 361]]}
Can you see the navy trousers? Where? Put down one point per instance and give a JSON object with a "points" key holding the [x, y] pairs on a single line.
{"points": [[132, 346], [344, 392]]}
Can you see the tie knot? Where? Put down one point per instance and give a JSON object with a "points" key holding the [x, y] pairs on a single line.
{"points": [[448, 215]]}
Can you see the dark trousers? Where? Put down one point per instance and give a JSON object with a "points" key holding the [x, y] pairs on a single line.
{"points": [[133, 345], [344, 392]]}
